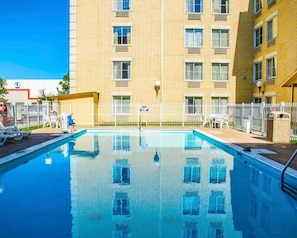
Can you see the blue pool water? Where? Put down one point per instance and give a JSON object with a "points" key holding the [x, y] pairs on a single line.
{"points": [[148, 184]]}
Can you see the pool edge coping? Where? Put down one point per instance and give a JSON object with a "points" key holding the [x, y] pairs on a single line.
{"points": [[27, 151]]}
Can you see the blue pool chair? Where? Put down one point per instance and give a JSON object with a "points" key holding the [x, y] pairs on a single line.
{"points": [[71, 122]]}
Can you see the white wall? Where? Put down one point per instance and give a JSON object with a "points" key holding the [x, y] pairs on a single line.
{"points": [[27, 90]]}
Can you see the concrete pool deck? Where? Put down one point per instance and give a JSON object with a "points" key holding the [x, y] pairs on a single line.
{"points": [[279, 152]]}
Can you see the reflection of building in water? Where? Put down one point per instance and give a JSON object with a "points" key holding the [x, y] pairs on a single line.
{"points": [[255, 209], [124, 192]]}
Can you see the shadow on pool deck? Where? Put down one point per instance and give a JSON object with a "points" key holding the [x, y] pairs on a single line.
{"points": [[283, 151]]}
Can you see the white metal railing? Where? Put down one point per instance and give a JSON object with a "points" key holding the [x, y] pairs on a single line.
{"points": [[160, 115]]}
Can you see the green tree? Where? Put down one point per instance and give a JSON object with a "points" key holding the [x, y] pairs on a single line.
{"points": [[3, 90], [65, 85]]}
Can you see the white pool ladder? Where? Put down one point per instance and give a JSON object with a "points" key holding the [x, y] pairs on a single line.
{"points": [[286, 187]]}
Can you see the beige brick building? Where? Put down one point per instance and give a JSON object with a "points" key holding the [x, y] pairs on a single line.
{"points": [[275, 47], [170, 57]]}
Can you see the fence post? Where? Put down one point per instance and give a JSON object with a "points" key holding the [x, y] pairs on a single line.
{"points": [[139, 123], [183, 121], [282, 106], [161, 116], [242, 115], [115, 114], [263, 118]]}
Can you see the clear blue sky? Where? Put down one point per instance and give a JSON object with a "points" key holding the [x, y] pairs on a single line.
{"points": [[34, 39]]}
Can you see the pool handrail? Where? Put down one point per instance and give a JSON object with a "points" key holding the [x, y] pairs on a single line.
{"points": [[289, 189]]}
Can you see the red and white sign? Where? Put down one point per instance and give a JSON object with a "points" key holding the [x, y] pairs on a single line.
{"points": [[143, 108]]}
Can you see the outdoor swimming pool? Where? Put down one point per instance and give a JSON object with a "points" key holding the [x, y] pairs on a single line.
{"points": [[141, 184]]}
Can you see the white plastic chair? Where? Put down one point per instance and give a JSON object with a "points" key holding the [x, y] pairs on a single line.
{"points": [[206, 121]]}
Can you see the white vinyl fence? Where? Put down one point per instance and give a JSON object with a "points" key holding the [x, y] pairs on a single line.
{"points": [[241, 116]]}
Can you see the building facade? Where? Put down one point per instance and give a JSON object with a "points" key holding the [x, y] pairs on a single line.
{"points": [[155, 54], [275, 51]]}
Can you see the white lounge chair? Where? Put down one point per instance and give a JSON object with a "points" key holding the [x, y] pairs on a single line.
{"points": [[18, 134]]}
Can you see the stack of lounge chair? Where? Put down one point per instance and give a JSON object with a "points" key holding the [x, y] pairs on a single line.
{"points": [[12, 133]]}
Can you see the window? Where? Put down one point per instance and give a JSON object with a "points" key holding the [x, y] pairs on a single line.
{"points": [[258, 36], [122, 35], [220, 38], [215, 230], [270, 3], [257, 71], [271, 27], [266, 184], [217, 171], [271, 68], [219, 105], [193, 105], [121, 142], [257, 100], [121, 69], [254, 177], [194, 6], [121, 105], [220, 6], [192, 171], [268, 100], [121, 231], [191, 203], [121, 5], [220, 71], [192, 142], [194, 37], [121, 172], [121, 205], [258, 5], [216, 203], [190, 230], [194, 71]]}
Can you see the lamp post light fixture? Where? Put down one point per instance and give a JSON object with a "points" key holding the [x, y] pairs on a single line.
{"points": [[157, 87], [259, 85]]}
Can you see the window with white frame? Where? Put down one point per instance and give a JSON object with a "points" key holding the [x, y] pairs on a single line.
{"points": [[220, 6], [121, 143], [220, 71], [258, 5], [190, 230], [193, 105], [192, 142], [258, 36], [215, 230], [216, 203], [121, 204], [194, 6], [192, 171], [122, 35], [121, 70], [121, 105], [191, 203], [271, 67], [121, 230], [194, 37], [121, 5], [194, 71], [271, 27], [219, 105], [217, 171], [257, 71], [121, 172], [220, 38]]}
